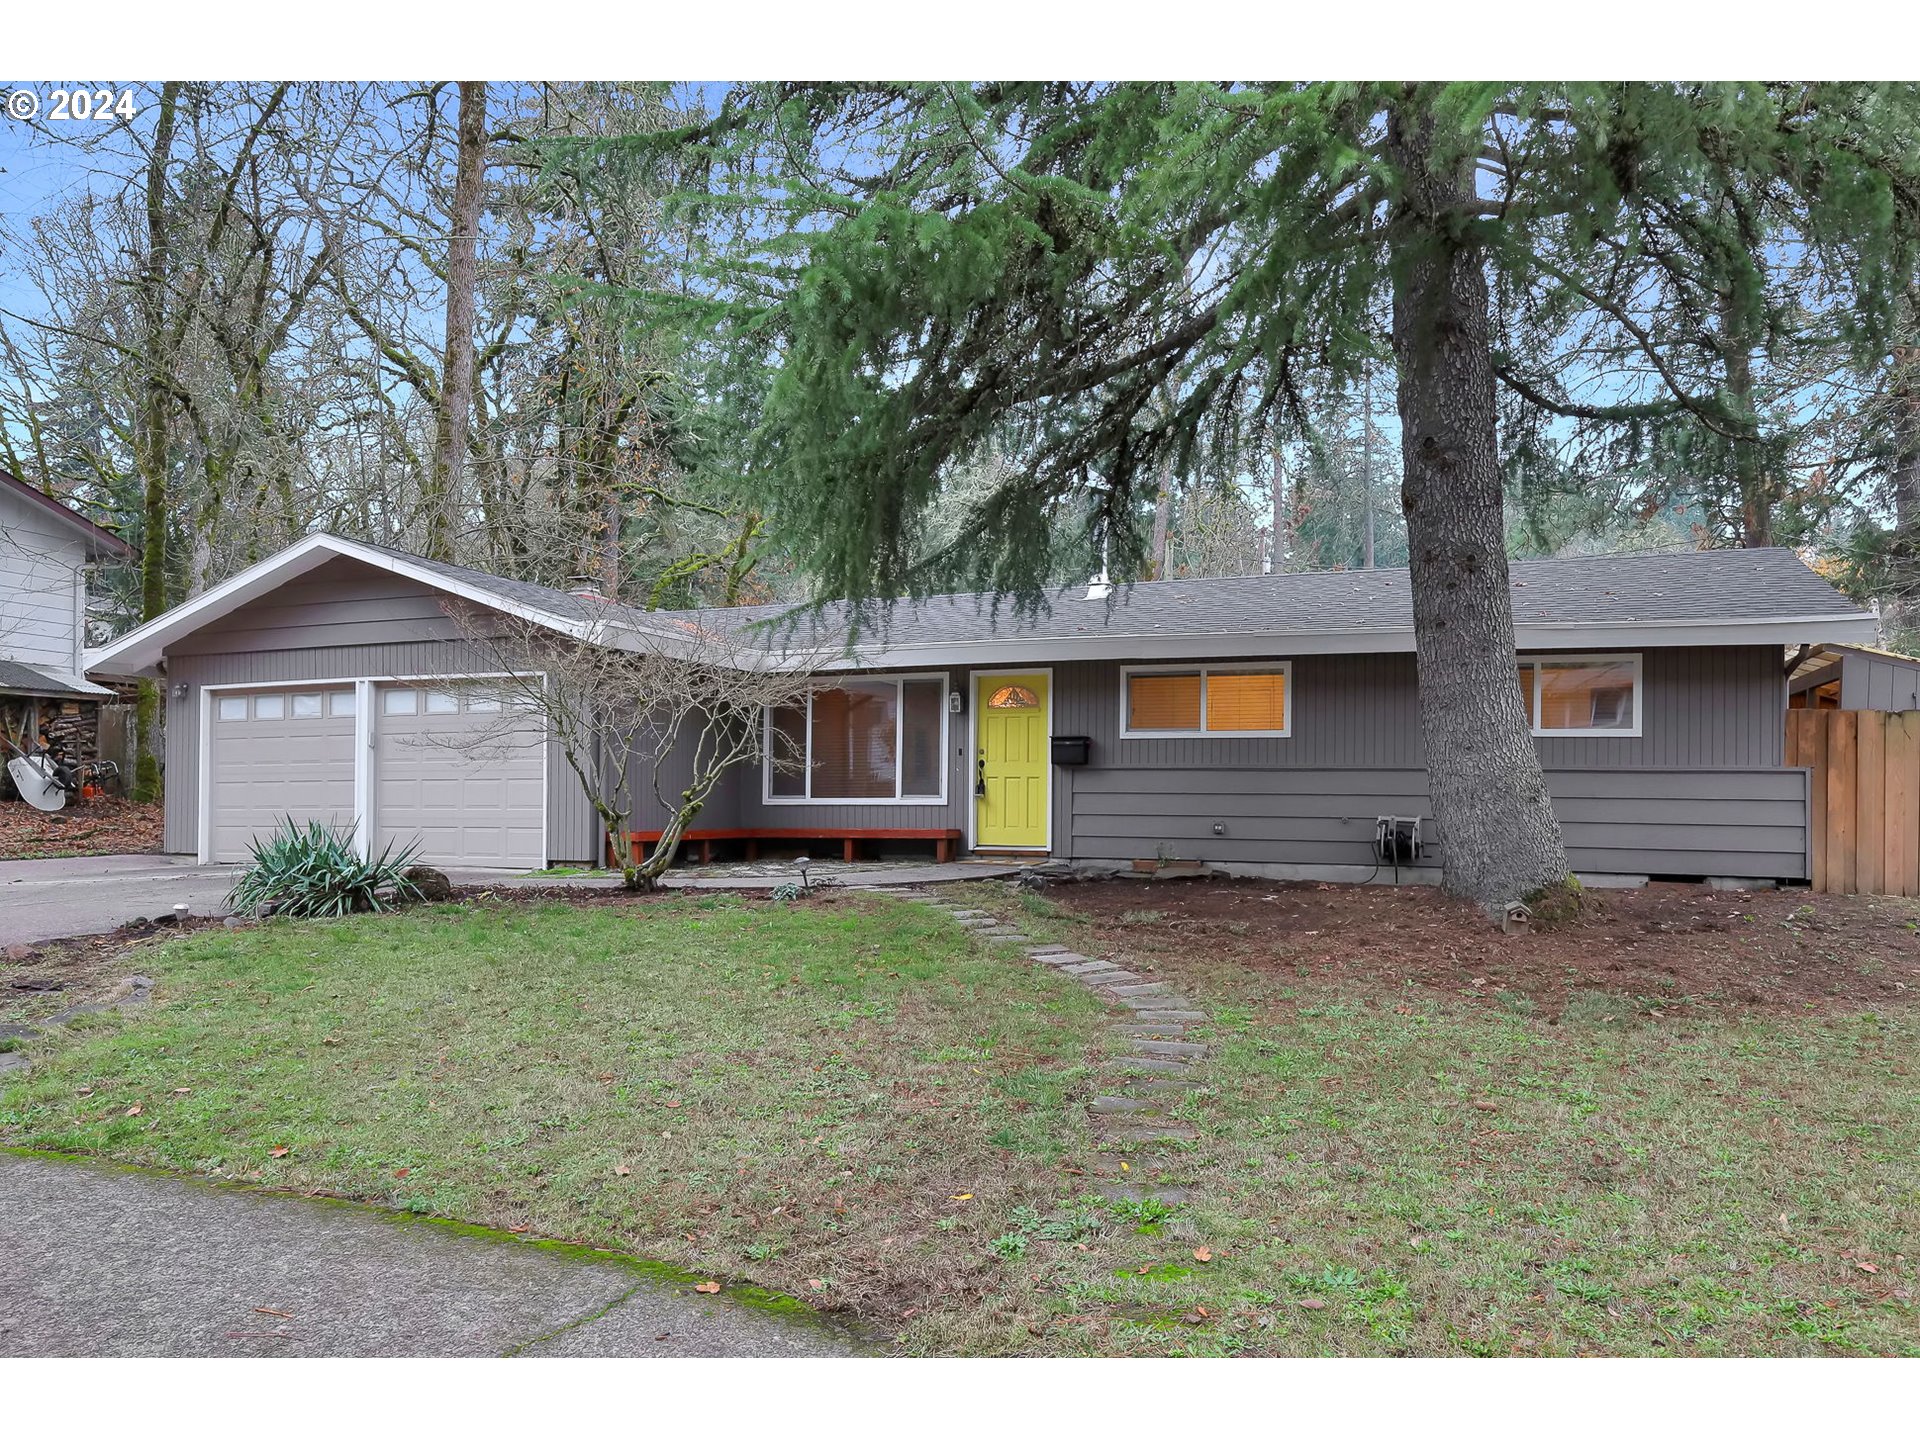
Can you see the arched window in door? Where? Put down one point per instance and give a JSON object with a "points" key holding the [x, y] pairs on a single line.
{"points": [[1013, 697]]}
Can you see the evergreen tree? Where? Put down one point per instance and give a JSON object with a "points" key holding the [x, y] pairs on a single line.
{"points": [[1134, 277]]}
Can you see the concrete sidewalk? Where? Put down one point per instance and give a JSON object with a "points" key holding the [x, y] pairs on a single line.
{"points": [[95, 1260]]}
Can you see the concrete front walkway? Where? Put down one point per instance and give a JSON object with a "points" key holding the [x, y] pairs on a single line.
{"points": [[96, 1260]]}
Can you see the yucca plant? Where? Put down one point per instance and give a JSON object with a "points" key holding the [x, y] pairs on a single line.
{"points": [[312, 872]]}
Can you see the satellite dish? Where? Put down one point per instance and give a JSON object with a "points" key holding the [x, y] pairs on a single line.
{"points": [[33, 778]]}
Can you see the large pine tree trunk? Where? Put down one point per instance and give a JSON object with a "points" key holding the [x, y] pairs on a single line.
{"points": [[1498, 835], [456, 377]]}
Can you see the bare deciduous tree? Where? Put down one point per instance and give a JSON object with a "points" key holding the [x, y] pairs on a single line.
{"points": [[668, 700]]}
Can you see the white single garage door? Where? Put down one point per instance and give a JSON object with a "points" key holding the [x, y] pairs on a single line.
{"points": [[463, 804], [275, 754]]}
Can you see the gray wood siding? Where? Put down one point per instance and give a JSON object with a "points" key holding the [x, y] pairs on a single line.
{"points": [[1711, 722], [341, 603], [1742, 822], [42, 588], [1874, 682], [571, 826]]}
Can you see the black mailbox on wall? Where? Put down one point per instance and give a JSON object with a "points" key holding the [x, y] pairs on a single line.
{"points": [[1072, 749]]}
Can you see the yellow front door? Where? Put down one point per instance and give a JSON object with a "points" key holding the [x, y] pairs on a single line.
{"points": [[1012, 772]]}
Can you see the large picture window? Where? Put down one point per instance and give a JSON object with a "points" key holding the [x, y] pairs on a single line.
{"points": [[1581, 694], [875, 740], [1222, 700]]}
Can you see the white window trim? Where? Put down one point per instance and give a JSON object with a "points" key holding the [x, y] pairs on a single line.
{"points": [[1632, 657], [1284, 667], [767, 797]]}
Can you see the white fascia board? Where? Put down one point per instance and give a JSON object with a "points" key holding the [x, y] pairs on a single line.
{"points": [[1197, 646], [139, 651]]}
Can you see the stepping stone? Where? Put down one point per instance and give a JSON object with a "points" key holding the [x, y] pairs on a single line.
{"points": [[1177, 1017], [12, 1060], [1112, 979], [1165, 1194], [970, 914], [1157, 987], [1122, 1104], [1060, 958], [1151, 1064], [1039, 950], [1150, 1134], [1154, 1002], [1004, 937], [1160, 1086], [1090, 967], [1167, 1047], [1170, 1032]]}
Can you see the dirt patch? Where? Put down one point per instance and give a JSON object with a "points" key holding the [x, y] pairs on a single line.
{"points": [[1666, 944], [95, 827], [38, 980]]}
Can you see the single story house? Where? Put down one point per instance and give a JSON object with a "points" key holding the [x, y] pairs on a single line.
{"points": [[1853, 677], [1262, 724]]}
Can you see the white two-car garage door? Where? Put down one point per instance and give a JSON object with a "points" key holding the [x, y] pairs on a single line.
{"points": [[290, 752], [450, 777], [274, 754]]}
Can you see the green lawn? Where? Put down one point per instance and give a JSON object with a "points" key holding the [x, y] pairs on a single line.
{"points": [[852, 1102], [789, 1095]]}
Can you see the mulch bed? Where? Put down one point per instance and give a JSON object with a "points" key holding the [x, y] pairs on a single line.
{"points": [[1772, 950], [106, 826]]}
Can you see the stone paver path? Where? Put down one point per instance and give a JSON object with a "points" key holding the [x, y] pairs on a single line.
{"points": [[1156, 1065]]}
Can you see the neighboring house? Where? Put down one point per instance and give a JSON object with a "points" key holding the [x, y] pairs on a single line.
{"points": [[45, 552], [1853, 677], [1260, 723]]}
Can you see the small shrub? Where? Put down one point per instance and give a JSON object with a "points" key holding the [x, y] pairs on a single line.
{"points": [[313, 873], [787, 891]]}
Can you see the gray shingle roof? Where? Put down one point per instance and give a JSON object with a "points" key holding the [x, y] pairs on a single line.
{"points": [[1698, 586]]}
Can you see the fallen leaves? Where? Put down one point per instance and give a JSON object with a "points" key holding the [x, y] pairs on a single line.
{"points": [[623, 1169], [135, 1109], [1313, 1302], [402, 1172], [280, 1151], [1203, 1255], [967, 1196], [708, 1287]]}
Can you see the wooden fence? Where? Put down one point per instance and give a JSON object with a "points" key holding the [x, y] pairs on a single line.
{"points": [[1864, 810]]}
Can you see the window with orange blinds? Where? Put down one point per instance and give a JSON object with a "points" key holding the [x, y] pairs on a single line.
{"points": [[1163, 702], [1230, 700], [1252, 700], [1582, 694]]}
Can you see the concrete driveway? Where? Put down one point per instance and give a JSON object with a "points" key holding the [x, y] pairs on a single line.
{"points": [[96, 1260], [52, 899]]}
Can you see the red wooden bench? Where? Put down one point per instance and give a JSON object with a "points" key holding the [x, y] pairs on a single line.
{"points": [[945, 842]]}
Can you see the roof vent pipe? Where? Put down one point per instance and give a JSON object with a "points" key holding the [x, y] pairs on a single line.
{"points": [[586, 586], [1100, 587]]}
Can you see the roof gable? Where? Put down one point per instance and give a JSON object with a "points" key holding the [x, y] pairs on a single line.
{"points": [[101, 543]]}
